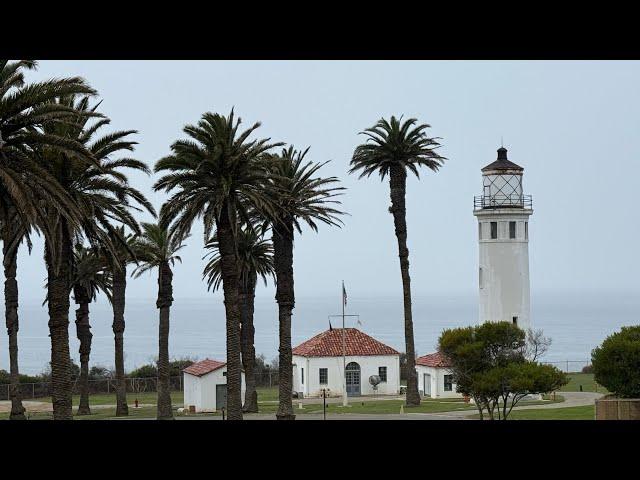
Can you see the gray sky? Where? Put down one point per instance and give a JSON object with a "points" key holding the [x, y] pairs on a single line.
{"points": [[571, 125]]}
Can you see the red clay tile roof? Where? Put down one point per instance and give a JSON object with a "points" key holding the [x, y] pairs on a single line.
{"points": [[203, 367], [329, 344], [433, 360]]}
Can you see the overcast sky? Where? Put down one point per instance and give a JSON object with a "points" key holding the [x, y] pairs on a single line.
{"points": [[573, 126]]}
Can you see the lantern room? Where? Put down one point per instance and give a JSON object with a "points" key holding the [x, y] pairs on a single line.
{"points": [[502, 185]]}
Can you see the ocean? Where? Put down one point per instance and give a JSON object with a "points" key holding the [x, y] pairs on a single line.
{"points": [[576, 324]]}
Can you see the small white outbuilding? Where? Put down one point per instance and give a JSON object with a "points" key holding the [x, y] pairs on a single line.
{"points": [[435, 378], [318, 365], [205, 385]]}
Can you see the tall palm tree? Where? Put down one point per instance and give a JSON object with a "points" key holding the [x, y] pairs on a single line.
{"points": [[298, 197], [24, 185], [90, 276], [157, 248], [13, 233], [123, 256], [218, 174], [102, 193], [255, 259], [393, 148]]}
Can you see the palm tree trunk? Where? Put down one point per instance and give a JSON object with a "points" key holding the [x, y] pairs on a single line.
{"points": [[59, 281], [398, 184], [247, 335], [283, 262], [119, 289], [230, 279], [83, 332], [165, 299], [10, 256]]}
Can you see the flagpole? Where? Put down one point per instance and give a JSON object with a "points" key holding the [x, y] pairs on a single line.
{"points": [[345, 402]]}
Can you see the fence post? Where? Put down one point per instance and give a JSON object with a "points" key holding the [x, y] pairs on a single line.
{"points": [[269, 378], [33, 390]]}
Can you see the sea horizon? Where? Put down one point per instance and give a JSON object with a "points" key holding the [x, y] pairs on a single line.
{"points": [[576, 322]]}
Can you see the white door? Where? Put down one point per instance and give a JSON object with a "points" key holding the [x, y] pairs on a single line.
{"points": [[427, 385]]}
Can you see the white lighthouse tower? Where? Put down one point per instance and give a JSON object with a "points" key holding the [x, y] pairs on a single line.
{"points": [[503, 235]]}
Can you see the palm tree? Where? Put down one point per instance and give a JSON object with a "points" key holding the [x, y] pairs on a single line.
{"points": [[255, 259], [90, 276], [102, 193], [157, 248], [298, 197], [13, 233], [219, 175], [24, 185], [392, 149], [123, 255]]}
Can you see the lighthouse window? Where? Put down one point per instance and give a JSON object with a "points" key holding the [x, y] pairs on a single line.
{"points": [[526, 230], [480, 278], [512, 229], [494, 230], [479, 231]]}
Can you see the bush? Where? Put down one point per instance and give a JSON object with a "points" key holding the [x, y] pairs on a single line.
{"points": [[616, 363], [587, 369]]}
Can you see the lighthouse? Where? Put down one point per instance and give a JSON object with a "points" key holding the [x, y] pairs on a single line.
{"points": [[503, 213]]}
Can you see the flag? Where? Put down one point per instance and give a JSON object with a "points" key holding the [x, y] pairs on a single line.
{"points": [[344, 295]]}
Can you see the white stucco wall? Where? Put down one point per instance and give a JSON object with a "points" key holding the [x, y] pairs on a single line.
{"points": [[368, 366], [437, 382], [201, 391], [503, 274]]}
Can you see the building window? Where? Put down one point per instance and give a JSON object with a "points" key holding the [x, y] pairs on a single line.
{"points": [[512, 229], [480, 279], [382, 373], [448, 383], [526, 230], [302, 376], [224, 374], [494, 230], [515, 321], [479, 230], [324, 376]]}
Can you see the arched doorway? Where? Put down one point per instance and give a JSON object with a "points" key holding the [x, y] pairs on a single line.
{"points": [[352, 375]]}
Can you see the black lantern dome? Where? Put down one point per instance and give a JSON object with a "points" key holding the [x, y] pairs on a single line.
{"points": [[502, 184]]}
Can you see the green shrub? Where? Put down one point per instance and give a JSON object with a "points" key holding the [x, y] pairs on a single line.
{"points": [[616, 363]]}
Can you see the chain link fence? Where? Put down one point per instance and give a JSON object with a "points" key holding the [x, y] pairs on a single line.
{"points": [[134, 385], [570, 366], [96, 387]]}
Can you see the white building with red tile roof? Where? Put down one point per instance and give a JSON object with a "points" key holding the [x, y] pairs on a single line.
{"points": [[435, 379], [318, 364], [205, 385]]}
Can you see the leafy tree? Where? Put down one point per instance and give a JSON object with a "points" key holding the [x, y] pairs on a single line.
{"points": [[157, 248], [616, 363], [218, 174], [492, 363], [298, 196], [392, 149], [255, 259]]}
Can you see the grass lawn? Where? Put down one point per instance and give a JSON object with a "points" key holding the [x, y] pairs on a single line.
{"points": [[587, 382], [177, 398], [393, 406], [586, 412]]}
